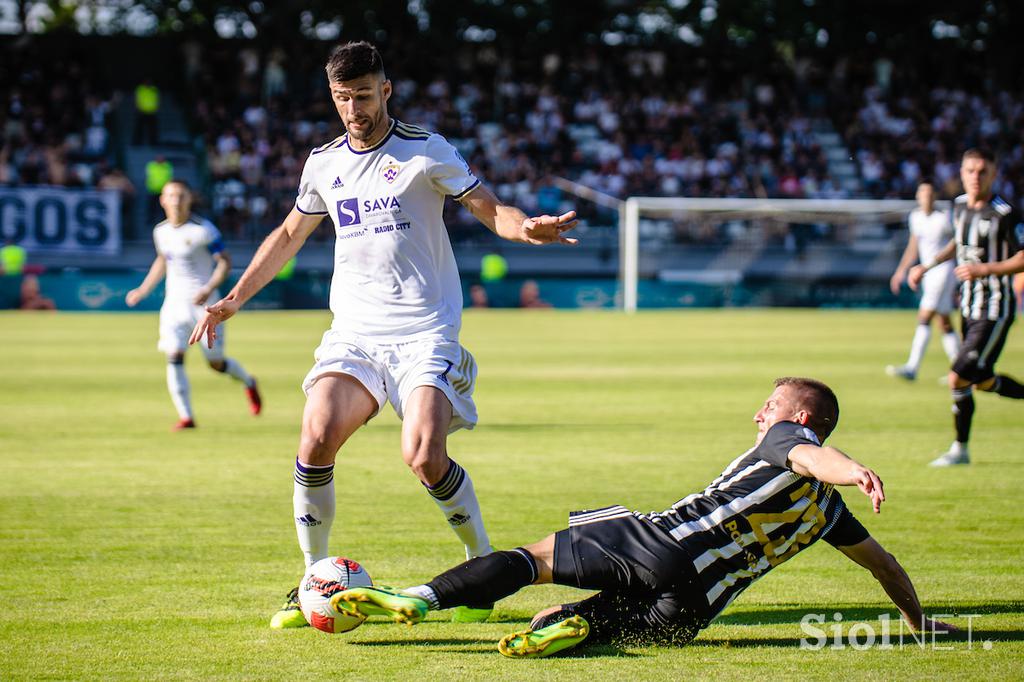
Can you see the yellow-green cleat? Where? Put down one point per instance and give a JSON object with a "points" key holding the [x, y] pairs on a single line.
{"points": [[546, 641], [468, 614], [290, 615], [381, 600]]}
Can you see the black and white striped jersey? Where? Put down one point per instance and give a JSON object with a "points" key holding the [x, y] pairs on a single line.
{"points": [[755, 516], [986, 235]]}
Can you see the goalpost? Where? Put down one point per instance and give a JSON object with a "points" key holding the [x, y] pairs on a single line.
{"points": [[832, 212]]}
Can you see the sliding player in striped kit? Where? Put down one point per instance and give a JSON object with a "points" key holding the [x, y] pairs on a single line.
{"points": [[665, 576], [396, 299], [191, 253]]}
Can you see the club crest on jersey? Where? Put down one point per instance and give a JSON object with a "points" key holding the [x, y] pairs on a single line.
{"points": [[984, 226], [390, 172]]}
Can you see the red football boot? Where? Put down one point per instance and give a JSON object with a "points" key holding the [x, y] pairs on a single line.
{"points": [[183, 424], [255, 402]]}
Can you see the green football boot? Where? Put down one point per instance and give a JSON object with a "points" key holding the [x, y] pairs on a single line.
{"points": [[546, 641], [290, 615], [468, 614], [381, 601]]}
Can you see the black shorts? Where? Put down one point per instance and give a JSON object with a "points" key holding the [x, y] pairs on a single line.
{"points": [[650, 592], [982, 343]]}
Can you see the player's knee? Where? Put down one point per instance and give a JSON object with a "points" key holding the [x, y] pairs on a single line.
{"points": [[318, 447], [426, 456], [218, 365]]}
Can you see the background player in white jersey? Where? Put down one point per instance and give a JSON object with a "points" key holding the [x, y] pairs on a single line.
{"points": [[930, 230], [190, 252], [396, 299]]}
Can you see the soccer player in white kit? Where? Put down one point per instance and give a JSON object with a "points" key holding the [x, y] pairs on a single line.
{"points": [[930, 231], [190, 252], [396, 299]]}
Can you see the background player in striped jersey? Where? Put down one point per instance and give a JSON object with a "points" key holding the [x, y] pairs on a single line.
{"points": [[930, 231], [987, 244], [191, 253], [396, 299], [663, 577]]}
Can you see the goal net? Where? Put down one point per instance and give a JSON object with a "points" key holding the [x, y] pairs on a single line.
{"points": [[845, 249]]}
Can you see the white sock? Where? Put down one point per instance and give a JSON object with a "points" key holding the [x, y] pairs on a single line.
{"points": [[425, 593], [951, 344], [455, 496], [177, 386], [234, 369], [958, 448], [313, 507], [918, 345]]}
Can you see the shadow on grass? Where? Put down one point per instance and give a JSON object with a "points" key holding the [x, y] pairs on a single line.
{"points": [[767, 615], [476, 646]]}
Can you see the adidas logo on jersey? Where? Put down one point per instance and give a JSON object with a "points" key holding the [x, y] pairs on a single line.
{"points": [[308, 520], [337, 183]]}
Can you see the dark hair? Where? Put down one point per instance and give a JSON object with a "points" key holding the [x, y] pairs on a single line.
{"points": [[976, 153], [353, 60], [819, 400], [184, 185]]}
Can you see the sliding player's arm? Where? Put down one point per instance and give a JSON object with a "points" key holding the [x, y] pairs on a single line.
{"points": [[829, 465], [509, 222], [156, 273], [278, 248], [917, 272], [896, 583], [909, 256]]}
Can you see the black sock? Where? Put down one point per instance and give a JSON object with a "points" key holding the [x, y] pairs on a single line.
{"points": [[1008, 387], [484, 580], [963, 412]]}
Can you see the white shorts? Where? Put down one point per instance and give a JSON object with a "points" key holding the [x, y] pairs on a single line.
{"points": [[177, 320], [390, 371], [937, 288]]}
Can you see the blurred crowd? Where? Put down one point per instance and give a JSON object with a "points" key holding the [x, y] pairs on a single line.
{"points": [[624, 122]]}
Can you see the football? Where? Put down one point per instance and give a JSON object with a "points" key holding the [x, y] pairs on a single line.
{"points": [[323, 580]]}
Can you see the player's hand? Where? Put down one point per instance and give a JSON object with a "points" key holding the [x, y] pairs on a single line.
{"points": [[201, 296], [133, 297], [969, 271], [895, 282], [215, 315], [871, 485], [914, 278], [547, 229]]}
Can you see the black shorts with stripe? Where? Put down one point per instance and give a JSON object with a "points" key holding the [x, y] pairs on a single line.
{"points": [[650, 592], [983, 341]]}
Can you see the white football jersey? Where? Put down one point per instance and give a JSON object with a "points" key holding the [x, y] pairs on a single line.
{"points": [[188, 249], [933, 232], [394, 270]]}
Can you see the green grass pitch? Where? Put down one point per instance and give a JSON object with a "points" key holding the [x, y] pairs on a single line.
{"points": [[129, 552]]}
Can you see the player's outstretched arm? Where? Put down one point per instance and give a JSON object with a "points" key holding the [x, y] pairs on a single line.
{"points": [[917, 272], [830, 465], [220, 273], [156, 273], [278, 248], [896, 583], [508, 222], [909, 256]]}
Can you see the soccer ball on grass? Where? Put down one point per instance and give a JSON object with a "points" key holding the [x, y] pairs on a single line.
{"points": [[323, 580]]}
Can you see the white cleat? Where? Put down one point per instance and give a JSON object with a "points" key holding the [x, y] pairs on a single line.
{"points": [[951, 459], [901, 372]]}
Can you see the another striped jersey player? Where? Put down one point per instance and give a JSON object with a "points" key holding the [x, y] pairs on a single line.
{"points": [[987, 235]]}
